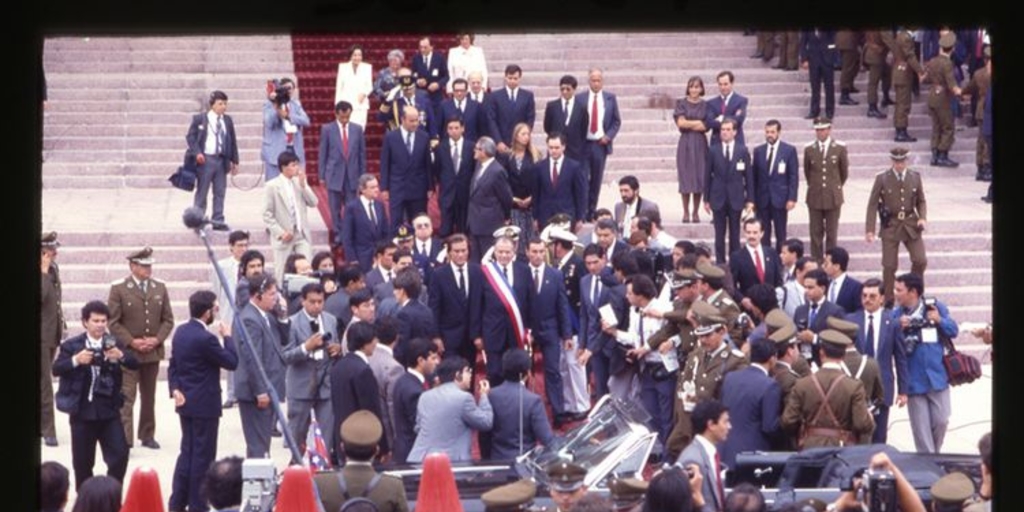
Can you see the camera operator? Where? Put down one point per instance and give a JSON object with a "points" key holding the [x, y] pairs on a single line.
{"points": [[872, 489], [924, 321], [89, 367], [283, 121]]}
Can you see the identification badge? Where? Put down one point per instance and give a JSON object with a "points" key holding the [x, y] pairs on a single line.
{"points": [[433, 72], [929, 335], [741, 166], [782, 167]]}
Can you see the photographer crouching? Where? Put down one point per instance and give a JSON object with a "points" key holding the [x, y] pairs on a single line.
{"points": [[925, 323], [879, 487], [283, 121]]}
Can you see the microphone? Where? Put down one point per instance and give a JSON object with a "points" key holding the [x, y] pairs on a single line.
{"points": [[194, 219]]}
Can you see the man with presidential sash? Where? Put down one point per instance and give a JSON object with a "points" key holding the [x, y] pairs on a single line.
{"points": [[505, 306]]}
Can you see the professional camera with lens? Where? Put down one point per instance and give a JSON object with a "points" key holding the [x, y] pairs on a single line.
{"points": [[98, 358], [104, 385], [292, 284], [879, 490], [282, 94], [918, 321]]}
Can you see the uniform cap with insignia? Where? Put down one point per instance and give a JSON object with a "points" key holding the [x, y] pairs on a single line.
{"points": [[559, 233], [844, 326], [953, 488], [776, 319], [510, 497], [784, 334], [143, 257], [49, 239], [684, 277], [898, 154], [707, 270], [560, 219], [406, 81], [820, 123], [566, 476], [835, 337], [708, 317], [811, 504], [948, 40], [404, 234], [508, 232], [627, 492], [361, 428]]}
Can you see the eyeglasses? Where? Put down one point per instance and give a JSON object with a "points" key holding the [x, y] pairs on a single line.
{"points": [[422, 225]]}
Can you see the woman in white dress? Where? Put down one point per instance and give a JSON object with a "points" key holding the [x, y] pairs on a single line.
{"points": [[354, 85], [465, 59]]}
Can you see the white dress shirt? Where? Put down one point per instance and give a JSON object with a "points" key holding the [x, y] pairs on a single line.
{"points": [[600, 114]]}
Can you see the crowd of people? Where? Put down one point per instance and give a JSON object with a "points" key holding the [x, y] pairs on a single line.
{"points": [[751, 346]]}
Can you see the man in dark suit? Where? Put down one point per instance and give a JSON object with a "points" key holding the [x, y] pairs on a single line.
{"points": [[212, 143], [843, 289], [472, 113], [598, 288], [726, 104], [453, 171], [382, 271], [431, 73], [415, 319], [607, 238], [561, 186], [405, 169], [505, 307], [567, 116], [490, 199], [550, 325], [711, 426], [812, 317], [508, 107], [89, 367], [754, 401], [520, 421], [421, 359], [193, 378], [365, 224], [776, 178], [818, 57], [456, 291], [603, 122], [754, 263], [426, 248], [880, 337], [252, 392], [341, 162], [353, 386], [728, 188]]}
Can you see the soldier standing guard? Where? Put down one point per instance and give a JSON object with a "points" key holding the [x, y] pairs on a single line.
{"points": [[940, 97], [897, 199], [52, 327], [875, 54], [904, 66], [826, 168]]}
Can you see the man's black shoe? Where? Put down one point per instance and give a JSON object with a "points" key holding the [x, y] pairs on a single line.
{"points": [[151, 444]]}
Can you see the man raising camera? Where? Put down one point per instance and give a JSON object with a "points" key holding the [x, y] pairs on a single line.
{"points": [[283, 121], [924, 321]]}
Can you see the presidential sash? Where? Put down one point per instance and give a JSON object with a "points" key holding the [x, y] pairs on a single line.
{"points": [[500, 285]]}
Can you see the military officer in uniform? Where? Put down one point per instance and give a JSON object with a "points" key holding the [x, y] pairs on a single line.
{"points": [[829, 408], [627, 494], [141, 319], [566, 483], [701, 378], [787, 351], [826, 168], [904, 67], [514, 497], [875, 56], [679, 322], [777, 319], [848, 44], [51, 331], [789, 49], [897, 199], [860, 367], [941, 93], [951, 491], [978, 88], [712, 292]]}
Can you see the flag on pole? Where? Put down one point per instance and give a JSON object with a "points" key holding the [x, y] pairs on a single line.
{"points": [[317, 456]]}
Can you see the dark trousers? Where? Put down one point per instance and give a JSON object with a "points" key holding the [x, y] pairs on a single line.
{"points": [[881, 425], [823, 74], [110, 435], [145, 380], [336, 201], [599, 369], [657, 397], [212, 173], [552, 351], [494, 374], [198, 451], [453, 219], [773, 217], [722, 219], [256, 426], [478, 245], [404, 209], [46, 425], [595, 156]]}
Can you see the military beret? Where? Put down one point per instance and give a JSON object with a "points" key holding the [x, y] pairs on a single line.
{"points": [[776, 319], [784, 334], [627, 492], [835, 337], [404, 234], [844, 326], [508, 232], [820, 123], [49, 239], [811, 504], [143, 257], [897, 154], [708, 317], [406, 81], [510, 497], [566, 476], [361, 428], [948, 40], [707, 270], [953, 488], [684, 277]]}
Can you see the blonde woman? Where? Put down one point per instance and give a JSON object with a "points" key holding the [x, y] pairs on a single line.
{"points": [[520, 163], [465, 59], [354, 85]]}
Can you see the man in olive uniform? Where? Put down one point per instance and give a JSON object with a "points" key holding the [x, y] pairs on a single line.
{"points": [[978, 88], [776, 320], [848, 44], [514, 497], [875, 54], [627, 494], [141, 319], [51, 331], [679, 322], [787, 352], [860, 366], [566, 484], [941, 92], [360, 436], [713, 292], [904, 67], [701, 378], [898, 198], [826, 168], [765, 46], [789, 50], [829, 408], [951, 491]]}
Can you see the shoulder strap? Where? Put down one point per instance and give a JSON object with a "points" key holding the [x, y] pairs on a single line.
{"points": [[860, 369], [373, 483], [344, 488], [825, 407]]}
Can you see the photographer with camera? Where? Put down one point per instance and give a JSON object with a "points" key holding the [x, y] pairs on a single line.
{"points": [[881, 486], [925, 322], [89, 367], [283, 121]]}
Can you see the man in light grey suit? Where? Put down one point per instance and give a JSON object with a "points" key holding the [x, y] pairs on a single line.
{"points": [[312, 347], [387, 370], [792, 294], [447, 415], [284, 212], [251, 391], [711, 423], [490, 199], [283, 122], [632, 205], [238, 242], [342, 160]]}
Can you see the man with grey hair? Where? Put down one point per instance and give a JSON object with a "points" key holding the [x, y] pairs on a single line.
{"points": [[490, 198], [405, 168], [364, 224], [603, 125]]}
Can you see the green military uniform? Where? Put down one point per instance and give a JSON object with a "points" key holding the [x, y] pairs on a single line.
{"points": [[140, 310], [941, 92], [826, 168], [777, 320], [363, 429], [848, 43], [952, 490], [978, 87], [514, 497], [904, 67], [677, 322], [829, 408], [789, 49], [51, 331], [565, 478], [765, 45], [904, 201], [627, 493], [703, 373], [860, 366], [783, 372], [875, 53]]}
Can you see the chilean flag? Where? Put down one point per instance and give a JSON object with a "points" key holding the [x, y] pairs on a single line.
{"points": [[317, 457]]}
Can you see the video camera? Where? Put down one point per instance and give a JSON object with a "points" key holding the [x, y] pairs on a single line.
{"points": [[259, 485], [876, 489], [292, 284], [282, 94]]}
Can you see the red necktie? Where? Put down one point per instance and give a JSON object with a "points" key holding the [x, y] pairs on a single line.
{"points": [[760, 267], [981, 42], [554, 174], [718, 478], [724, 99], [593, 116], [426, 385], [344, 140]]}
